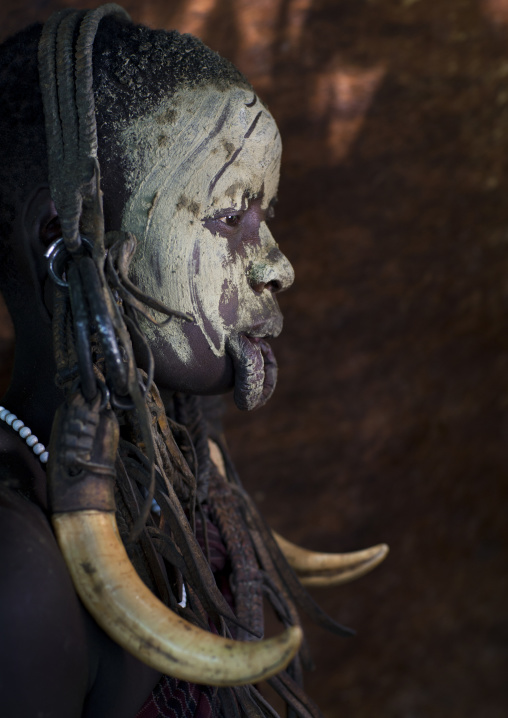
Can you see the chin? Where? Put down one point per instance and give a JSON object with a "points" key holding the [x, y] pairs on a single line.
{"points": [[209, 377], [221, 383]]}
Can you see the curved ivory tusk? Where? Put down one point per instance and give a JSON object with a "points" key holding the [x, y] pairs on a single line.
{"points": [[132, 616], [330, 569]]}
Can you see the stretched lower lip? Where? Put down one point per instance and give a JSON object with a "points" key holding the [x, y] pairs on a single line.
{"points": [[255, 371]]}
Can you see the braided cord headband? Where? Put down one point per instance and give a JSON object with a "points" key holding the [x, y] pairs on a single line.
{"points": [[71, 129]]}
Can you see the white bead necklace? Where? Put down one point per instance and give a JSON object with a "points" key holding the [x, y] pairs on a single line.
{"points": [[25, 433], [36, 446]]}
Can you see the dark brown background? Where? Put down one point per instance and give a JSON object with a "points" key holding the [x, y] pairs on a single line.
{"points": [[390, 420]]}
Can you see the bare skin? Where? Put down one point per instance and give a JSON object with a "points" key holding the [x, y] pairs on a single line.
{"points": [[55, 661]]}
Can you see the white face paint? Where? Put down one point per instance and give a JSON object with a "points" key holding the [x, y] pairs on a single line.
{"points": [[205, 171]]}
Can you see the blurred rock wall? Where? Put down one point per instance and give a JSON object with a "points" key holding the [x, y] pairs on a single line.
{"points": [[390, 420]]}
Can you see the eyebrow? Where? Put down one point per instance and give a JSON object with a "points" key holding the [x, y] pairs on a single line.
{"points": [[222, 212]]}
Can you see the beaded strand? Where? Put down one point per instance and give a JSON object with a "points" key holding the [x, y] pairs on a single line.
{"points": [[38, 448], [25, 433]]}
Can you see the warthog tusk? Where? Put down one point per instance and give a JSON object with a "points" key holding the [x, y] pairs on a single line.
{"points": [[131, 615], [314, 568], [330, 569]]}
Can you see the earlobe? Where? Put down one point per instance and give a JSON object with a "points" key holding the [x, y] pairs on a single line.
{"points": [[40, 217], [40, 227]]}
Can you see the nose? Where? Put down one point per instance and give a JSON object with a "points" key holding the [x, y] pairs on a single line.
{"points": [[272, 271]]}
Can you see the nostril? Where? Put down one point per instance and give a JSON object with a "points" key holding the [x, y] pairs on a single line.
{"points": [[274, 286], [265, 275]]}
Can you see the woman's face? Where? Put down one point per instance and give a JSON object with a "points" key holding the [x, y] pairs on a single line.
{"points": [[203, 182]]}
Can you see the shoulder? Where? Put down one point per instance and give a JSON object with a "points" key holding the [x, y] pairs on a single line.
{"points": [[43, 653], [29, 555]]}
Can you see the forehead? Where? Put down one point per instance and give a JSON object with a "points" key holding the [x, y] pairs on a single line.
{"points": [[209, 144], [250, 165]]}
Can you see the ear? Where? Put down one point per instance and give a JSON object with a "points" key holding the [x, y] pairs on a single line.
{"points": [[40, 227]]}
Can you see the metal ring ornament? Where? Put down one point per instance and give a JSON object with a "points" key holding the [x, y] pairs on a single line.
{"points": [[56, 254], [126, 403], [105, 394]]}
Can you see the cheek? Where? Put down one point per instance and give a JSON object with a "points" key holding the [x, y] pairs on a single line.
{"points": [[229, 303], [212, 286], [221, 288], [169, 248], [212, 272], [240, 305]]}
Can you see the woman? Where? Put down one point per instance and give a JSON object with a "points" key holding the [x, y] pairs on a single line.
{"points": [[139, 172]]}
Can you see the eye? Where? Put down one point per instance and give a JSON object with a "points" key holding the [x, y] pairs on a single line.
{"points": [[232, 220]]}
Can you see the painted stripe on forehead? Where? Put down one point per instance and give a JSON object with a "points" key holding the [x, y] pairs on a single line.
{"points": [[191, 159], [253, 126], [222, 170], [236, 152], [183, 134], [252, 103]]}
